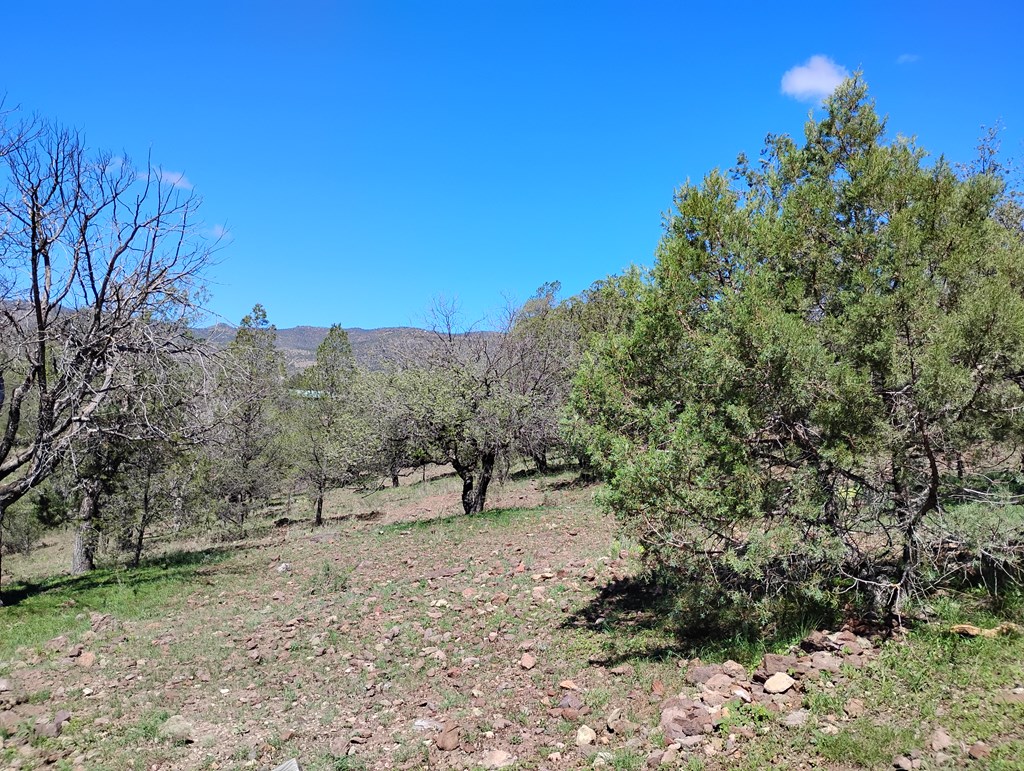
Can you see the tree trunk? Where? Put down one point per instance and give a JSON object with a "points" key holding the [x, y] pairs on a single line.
{"points": [[143, 520], [3, 509], [86, 538], [486, 472], [394, 479], [466, 475], [540, 458], [319, 521]]}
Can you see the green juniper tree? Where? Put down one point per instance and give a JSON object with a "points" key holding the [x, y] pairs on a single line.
{"points": [[246, 461], [830, 355], [327, 424]]}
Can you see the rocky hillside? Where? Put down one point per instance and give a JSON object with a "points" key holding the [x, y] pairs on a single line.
{"points": [[373, 348]]}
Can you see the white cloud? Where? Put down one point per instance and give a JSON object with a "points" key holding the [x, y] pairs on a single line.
{"points": [[907, 58], [814, 80], [174, 178]]}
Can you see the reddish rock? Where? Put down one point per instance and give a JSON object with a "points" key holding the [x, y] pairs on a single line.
{"points": [[979, 751], [449, 739], [700, 674], [719, 682], [681, 718], [775, 662]]}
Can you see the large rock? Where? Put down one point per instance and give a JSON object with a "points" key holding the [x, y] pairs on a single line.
{"points": [[780, 682], [585, 735], [176, 729], [700, 674], [681, 718], [775, 662]]}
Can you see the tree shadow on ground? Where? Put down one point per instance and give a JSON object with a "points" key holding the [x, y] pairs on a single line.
{"points": [[181, 564], [647, 619]]}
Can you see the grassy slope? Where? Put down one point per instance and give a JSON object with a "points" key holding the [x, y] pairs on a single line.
{"points": [[414, 611]]}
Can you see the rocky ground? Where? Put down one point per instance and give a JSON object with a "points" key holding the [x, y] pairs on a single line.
{"points": [[406, 636]]}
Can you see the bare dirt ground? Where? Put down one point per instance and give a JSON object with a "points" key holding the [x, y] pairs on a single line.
{"points": [[401, 635]]}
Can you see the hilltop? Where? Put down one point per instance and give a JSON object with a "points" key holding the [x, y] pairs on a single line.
{"points": [[372, 348]]}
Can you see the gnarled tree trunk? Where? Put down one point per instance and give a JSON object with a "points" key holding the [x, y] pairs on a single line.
{"points": [[87, 536]]}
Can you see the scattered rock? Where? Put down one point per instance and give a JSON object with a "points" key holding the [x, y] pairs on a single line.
{"points": [[625, 670], [427, 724], [940, 740], [176, 729], [527, 661], [681, 718], [284, 567], [496, 759], [571, 700], [671, 756], [5, 685], [779, 682], [700, 674], [826, 662], [585, 735], [854, 708], [774, 663], [979, 751], [568, 685], [797, 719], [719, 682], [903, 763], [86, 659], [449, 738]]}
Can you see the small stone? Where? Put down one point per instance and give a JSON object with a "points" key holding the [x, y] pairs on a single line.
{"points": [[654, 758], [568, 685], [903, 763], [854, 708], [5, 685], [979, 751], [284, 567], [780, 682], [671, 756], [826, 662], [622, 670], [796, 719], [719, 682], [449, 739], [496, 759], [87, 659], [940, 740], [941, 758], [527, 661], [585, 735], [427, 724]]}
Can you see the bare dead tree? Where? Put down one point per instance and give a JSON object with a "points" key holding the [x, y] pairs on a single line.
{"points": [[99, 270]]}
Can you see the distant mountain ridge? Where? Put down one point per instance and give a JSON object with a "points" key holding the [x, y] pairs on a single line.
{"points": [[372, 348]]}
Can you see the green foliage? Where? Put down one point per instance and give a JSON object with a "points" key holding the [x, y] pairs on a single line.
{"points": [[828, 332], [246, 461], [326, 425]]}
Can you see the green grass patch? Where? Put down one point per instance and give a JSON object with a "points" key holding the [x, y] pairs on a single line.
{"points": [[490, 518], [36, 611], [867, 745]]}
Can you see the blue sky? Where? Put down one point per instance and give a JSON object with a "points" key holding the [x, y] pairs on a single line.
{"points": [[367, 157]]}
